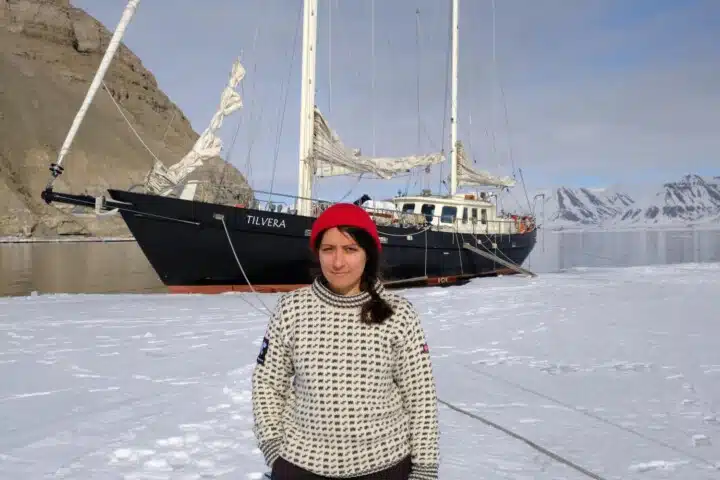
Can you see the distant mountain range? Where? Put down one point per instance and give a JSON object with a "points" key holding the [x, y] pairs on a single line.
{"points": [[693, 200]]}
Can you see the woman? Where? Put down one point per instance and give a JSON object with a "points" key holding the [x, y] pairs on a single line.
{"points": [[362, 403]]}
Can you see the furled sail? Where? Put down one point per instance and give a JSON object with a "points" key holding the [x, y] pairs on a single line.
{"points": [[467, 176], [332, 158], [161, 179]]}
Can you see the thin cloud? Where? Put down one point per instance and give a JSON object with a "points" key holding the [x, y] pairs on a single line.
{"points": [[595, 88]]}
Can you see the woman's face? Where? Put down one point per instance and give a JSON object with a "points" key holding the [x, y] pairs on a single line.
{"points": [[342, 261]]}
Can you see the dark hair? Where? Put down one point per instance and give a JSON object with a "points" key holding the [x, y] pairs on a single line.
{"points": [[377, 310]]}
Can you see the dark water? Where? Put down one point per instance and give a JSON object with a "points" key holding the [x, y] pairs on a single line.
{"points": [[82, 267], [119, 267], [557, 251]]}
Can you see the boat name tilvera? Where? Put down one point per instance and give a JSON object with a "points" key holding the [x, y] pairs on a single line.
{"points": [[265, 221]]}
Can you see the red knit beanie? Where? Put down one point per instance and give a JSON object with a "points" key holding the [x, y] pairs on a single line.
{"points": [[347, 215]]}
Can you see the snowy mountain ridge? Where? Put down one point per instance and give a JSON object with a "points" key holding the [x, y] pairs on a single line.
{"points": [[692, 200]]}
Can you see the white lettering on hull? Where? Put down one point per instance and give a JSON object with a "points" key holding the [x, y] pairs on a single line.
{"points": [[265, 221]]}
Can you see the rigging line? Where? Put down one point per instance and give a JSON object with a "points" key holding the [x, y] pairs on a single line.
{"points": [[230, 150], [227, 160], [330, 2], [285, 101], [417, 93], [459, 249], [426, 171], [447, 95], [232, 142], [167, 129], [469, 137], [502, 91], [490, 132], [510, 193], [525, 440], [493, 135], [357, 182], [507, 126], [527, 197], [426, 249], [372, 53], [590, 415], [417, 82], [429, 138], [129, 124], [251, 144], [252, 121]]}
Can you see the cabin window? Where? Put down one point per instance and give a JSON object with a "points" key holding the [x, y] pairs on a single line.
{"points": [[408, 208], [465, 215], [483, 216], [448, 214], [473, 215], [428, 210]]}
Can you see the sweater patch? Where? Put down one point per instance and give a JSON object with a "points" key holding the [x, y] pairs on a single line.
{"points": [[263, 350]]}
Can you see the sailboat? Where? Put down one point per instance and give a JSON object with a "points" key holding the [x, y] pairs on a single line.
{"points": [[198, 246]]}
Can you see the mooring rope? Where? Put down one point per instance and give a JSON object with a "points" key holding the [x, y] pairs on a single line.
{"points": [[591, 415], [232, 247], [525, 440]]}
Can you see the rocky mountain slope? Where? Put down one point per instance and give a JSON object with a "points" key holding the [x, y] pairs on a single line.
{"points": [[692, 200], [49, 52]]}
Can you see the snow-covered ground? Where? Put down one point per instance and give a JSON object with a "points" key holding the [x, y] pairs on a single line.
{"points": [[617, 370]]}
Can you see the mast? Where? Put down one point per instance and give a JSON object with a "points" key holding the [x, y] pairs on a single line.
{"points": [[307, 107], [453, 100], [127, 15]]}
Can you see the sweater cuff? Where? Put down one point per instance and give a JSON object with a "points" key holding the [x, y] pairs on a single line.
{"points": [[271, 450], [423, 472]]}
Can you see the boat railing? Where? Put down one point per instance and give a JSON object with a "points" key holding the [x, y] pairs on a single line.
{"points": [[476, 226], [283, 203], [286, 203]]}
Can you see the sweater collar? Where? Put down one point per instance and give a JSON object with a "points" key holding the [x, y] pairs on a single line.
{"points": [[323, 292]]}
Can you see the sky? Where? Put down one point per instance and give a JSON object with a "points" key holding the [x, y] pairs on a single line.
{"points": [[576, 93]]}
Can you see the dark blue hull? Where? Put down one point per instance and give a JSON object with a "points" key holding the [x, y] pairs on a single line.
{"points": [[187, 245]]}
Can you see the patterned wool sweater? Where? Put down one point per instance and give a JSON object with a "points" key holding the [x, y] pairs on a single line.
{"points": [[341, 398]]}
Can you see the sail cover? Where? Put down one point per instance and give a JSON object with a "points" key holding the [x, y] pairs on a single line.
{"points": [[467, 176], [333, 158], [209, 145]]}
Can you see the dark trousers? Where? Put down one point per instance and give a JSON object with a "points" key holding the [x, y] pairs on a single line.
{"points": [[284, 470]]}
